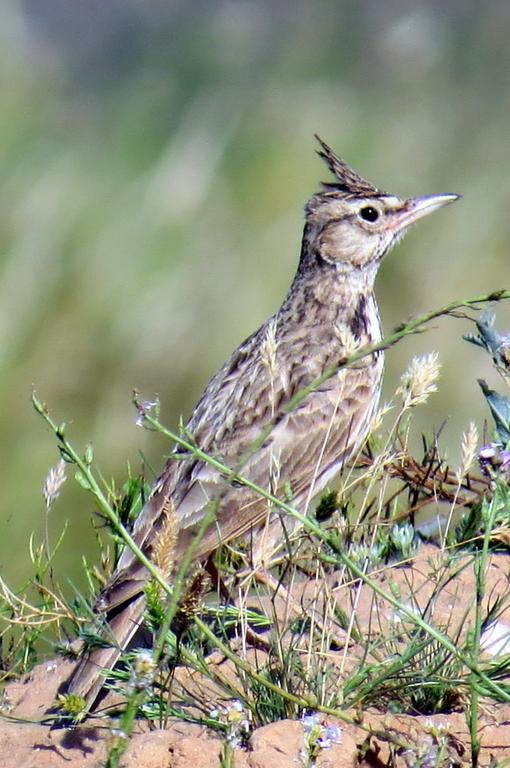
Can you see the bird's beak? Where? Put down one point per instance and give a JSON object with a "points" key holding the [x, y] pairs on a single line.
{"points": [[417, 207]]}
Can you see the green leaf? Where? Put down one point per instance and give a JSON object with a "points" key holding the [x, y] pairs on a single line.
{"points": [[82, 480], [66, 455], [38, 405], [89, 455], [500, 409]]}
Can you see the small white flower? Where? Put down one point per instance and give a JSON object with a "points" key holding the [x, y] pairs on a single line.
{"points": [[237, 721], [318, 736], [145, 407], [142, 673], [309, 722], [334, 733]]}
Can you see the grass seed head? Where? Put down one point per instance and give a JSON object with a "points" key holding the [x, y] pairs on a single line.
{"points": [[53, 483], [347, 339], [269, 349], [164, 548], [191, 601], [469, 445], [419, 380]]}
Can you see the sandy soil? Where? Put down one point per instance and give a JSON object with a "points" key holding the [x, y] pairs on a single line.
{"points": [[24, 741]]}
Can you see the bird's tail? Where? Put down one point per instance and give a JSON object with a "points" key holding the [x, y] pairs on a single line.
{"points": [[88, 678]]}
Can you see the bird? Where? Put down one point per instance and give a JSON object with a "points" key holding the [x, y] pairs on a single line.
{"points": [[329, 311]]}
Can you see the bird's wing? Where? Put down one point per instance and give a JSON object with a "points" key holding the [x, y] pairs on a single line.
{"points": [[328, 423], [301, 452], [301, 449]]}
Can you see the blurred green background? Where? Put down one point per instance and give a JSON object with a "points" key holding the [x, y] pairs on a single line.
{"points": [[155, 158]]}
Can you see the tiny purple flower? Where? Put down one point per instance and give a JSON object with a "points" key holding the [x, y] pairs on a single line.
{"points": [[487, 452], [334, 733], [505, 460], [488, 459]]}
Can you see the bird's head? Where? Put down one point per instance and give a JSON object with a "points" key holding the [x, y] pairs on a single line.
{"points": [[351, 224]]}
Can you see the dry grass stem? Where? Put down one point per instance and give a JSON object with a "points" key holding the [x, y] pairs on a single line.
{"points": [[379, 416], [26, 614]]}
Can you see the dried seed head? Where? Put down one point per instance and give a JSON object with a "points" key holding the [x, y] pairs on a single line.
{"points": [[164, 547], [191, 601], [378, 417], [268, 354], [419, 380], [269, 349], [469, 446], [195, 591], [347, 339], [53, 483]]}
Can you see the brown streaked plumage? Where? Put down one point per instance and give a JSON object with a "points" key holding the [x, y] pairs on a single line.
{"points": [[350, 226]]}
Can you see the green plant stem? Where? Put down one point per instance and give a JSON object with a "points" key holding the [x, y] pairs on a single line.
{"points": [[313, 527], [299, 701], [310, 524], [127, 722], [177, 587], [135, 700], [480, 567], [95, 489], [153, 571], [415, 325]]}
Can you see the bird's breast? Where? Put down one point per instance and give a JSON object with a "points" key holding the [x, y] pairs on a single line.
{"points": [[365, 321]]}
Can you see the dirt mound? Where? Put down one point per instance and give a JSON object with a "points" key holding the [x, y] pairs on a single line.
{"points": [[24, 741]]}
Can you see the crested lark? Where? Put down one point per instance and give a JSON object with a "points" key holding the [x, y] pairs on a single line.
{"points": [[330, 309]]}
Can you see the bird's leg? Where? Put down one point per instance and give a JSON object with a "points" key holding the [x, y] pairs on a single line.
{"points": [[217, 581], [293, 609], [253, 638]]}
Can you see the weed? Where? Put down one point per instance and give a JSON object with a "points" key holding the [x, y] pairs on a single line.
{"points": [[340, 623]]}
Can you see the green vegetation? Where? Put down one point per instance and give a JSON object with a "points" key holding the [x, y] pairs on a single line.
{"points": [[410, 663], [153, 171], [154, 165]]}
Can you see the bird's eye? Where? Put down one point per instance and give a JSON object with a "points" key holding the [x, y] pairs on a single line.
{"points": [[368, 213]]}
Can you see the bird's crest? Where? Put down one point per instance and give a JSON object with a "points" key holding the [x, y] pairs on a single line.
{"points": [[347, 180]]}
